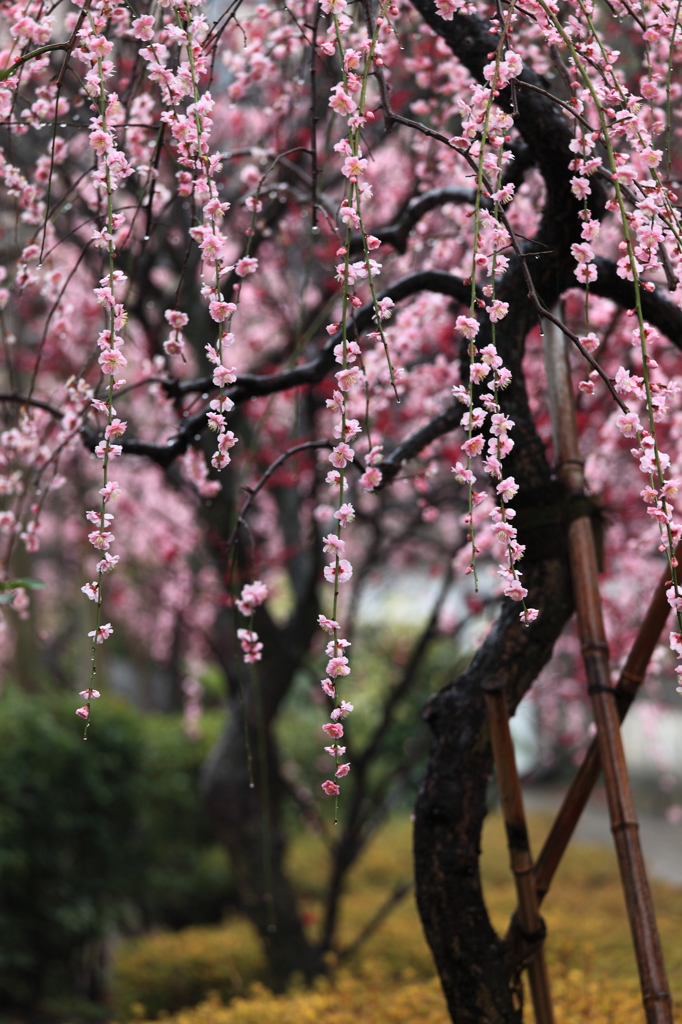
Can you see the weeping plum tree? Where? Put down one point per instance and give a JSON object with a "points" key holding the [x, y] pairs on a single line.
{"points": [[273, 289]]}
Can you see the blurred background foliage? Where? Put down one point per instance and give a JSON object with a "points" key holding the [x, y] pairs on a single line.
{"points": [[97, 839], [107, 852]]}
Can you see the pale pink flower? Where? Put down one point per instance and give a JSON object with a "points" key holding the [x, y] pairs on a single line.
{"points": [[582, 252], [334, 730], [222, 376], [91, 590], [498, 310], [112, 361], [111, 491], [590, 342], [330, 788], [220, 310], [341, 455], [446, 8], [467, 326], [115, 429], [628, 424], [341, 102], [253, 595], [103, 633], [580, 187], [328, 625], [143, 28], [108, 563], [515, 591], [338, 667], [227, 440], [220, 459], [101, 539], [342, 770], [333, 544], [328, 687], [478, 372], [83, 712], [508, 488], [175, 344], [345, 514], [349, 378], [504, 532], [586, 273], [341, 571], [514, 64], [101, 141], [462, 474], [350, 218], [371, 478], [334, 646], [89, 694], [245, 266], [215, 420], [353, 167], [529, 615], [474, 445], [176, 319]]}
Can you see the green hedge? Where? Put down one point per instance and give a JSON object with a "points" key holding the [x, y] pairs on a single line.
{"points": [[108, 835]]}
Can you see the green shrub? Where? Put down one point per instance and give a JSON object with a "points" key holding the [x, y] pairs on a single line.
{"points": [[94, 836], [175, 969]]}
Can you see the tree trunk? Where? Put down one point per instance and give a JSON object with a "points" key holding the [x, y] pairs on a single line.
{"points": [[478, 970], [249, 823]]}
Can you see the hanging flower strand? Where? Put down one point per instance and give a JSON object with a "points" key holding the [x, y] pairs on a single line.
{"points": [[348, 354], [482, 126], [112, 168]]}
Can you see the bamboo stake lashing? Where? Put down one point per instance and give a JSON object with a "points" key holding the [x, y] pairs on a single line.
{"points": [[511, 801], [584, 574]]}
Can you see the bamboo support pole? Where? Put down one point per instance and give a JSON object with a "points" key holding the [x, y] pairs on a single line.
{"points": [[527, 914], [584, 573], [586, 777]]}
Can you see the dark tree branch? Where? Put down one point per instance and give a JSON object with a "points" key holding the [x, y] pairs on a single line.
{"points": [[657, 308], [15, 397], [416, 442], [312, 372], [396, 234]]}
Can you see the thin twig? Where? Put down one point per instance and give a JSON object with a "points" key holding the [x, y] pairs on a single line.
{"points": [[398, 894], [14, 396]]}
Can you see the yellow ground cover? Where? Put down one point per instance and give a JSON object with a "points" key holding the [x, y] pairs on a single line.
{"points": [[391, 980]]}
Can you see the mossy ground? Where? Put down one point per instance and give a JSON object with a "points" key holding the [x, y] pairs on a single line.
{"points": [[391, 979]]}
